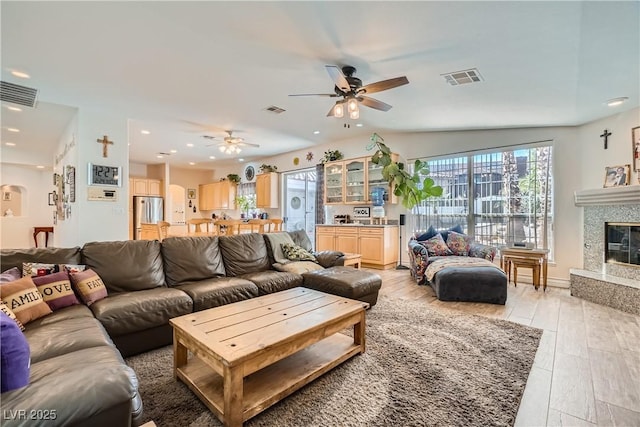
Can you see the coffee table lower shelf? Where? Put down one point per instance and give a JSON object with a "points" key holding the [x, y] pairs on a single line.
{"points": [[272, 383]]}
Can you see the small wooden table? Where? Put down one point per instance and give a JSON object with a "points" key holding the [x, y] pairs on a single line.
{"points": [[46, 231], [248, 355], [530, 257], [352, 259]]}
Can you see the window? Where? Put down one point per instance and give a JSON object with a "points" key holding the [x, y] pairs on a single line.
{"points": [[499, 197], [248, 189]]}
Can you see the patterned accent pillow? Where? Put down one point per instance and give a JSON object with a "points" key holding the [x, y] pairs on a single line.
{"points": [[459, 243], [89, 286], [33, 269], [10, 275], [297, 267], [56, 290], [23, 298], [73, 268], [6, 310], [436, 246], [297, 253]]}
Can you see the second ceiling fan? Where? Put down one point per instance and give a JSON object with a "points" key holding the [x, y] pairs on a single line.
{"points": [[352, 91]]}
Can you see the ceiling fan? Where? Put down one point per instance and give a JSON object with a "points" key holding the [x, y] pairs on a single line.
{"points": [[231, 144], [352, 91]]}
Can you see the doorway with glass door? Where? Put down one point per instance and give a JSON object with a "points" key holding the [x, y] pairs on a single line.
{"points": [[300, 201]]}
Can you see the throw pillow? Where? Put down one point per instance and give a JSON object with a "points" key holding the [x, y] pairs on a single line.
{"points": [[10, 275], [38, 269], [276, 240], [23, 298], [427, 234], [56, 290], [15, 357], [72, 268], [297, 267], [445, 233], [297, 253], [436, 246], [459, 243], [6, 310], [89, 286]]}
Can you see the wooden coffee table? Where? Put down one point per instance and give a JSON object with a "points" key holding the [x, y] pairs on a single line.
{"points": [[249, 355]]}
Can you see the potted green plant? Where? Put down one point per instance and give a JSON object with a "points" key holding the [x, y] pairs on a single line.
{"points": [[412, 188], [331, 156], [245, 204], [265, 168], [235, 178]]}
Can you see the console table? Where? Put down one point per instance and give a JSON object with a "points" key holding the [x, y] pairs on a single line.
{"points": [[46, 231]]}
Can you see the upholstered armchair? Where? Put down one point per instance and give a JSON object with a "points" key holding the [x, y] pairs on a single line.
{"points": [[427, 247]]}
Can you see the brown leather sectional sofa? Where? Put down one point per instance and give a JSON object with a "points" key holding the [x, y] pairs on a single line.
{"points": [[77, 352]]}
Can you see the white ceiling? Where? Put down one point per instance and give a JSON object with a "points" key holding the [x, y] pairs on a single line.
{"points": [[186, 69]]}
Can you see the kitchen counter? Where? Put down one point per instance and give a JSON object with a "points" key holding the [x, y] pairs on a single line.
{"points": [[376, 243], [357, 225]]}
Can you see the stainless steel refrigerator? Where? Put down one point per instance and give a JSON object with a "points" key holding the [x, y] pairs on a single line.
{"points": [[146, 209]]}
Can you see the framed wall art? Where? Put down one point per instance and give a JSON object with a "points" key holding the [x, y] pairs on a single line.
{"points": [[635, 145], [616, 176], [191, 194]]}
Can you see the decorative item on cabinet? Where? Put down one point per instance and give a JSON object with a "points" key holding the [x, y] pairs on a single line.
{"points": [[331, 156], [233, 177], [265, 168]]}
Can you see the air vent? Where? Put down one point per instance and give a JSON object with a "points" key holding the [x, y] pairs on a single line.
{"points": [[275, 110], [463, 77], [17, 94]]}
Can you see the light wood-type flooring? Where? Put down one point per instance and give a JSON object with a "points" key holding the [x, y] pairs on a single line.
{"points": [[587, 369]]}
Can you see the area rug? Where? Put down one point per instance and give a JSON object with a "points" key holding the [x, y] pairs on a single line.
{"points": [[422, 367]]}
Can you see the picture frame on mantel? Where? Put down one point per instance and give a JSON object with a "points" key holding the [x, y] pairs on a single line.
{"points": [[635, 147], [616, 176]]}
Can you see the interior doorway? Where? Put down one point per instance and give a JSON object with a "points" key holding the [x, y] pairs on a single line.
{"points": [[300, 201]]}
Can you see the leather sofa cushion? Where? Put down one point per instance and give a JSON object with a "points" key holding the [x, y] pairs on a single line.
{"points": [[136, 311], [218, 291], [57, 384], [125, 266], [244, 253], [301, 239], [272, 281], [187, 259], [72, 312], [65, 336], [10, 258]]}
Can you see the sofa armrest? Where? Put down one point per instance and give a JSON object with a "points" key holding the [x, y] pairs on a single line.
{"points": [[329, 258], [478, 250], [418, 260]]}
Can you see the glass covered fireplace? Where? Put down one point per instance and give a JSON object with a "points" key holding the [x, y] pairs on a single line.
{"points": [[623, 243]]}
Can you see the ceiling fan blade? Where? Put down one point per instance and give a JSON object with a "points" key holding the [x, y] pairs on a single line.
{"points": [[373, 103], [332, 112], [333, 95], [250, 144], [338, 78], [383, 85]]}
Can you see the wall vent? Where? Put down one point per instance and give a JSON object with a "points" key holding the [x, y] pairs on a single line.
{"points": [[17, 94], [463, 77], [275, 110]]}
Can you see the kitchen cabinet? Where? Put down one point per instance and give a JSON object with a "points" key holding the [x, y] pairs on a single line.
{"points": [[378, 245], [267, 195], [351, 181], [145, 187], [217, 195]]}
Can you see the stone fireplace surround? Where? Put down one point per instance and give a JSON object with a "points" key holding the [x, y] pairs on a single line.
{"points": [[613, 285]]}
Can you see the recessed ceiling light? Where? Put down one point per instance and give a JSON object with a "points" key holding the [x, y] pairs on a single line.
{"points": [[191, 163], [212, 157], [359, 125], [40, 167], [160, 156], [10, 144], [316, 132], [20, 74], [616, 101], [145, 132], [241, 160], [189, 145], [13, 108], [173, 151], [13, 130]]}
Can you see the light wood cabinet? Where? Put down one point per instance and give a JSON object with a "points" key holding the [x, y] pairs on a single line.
{"points": [[145, 187], [217, 195], [377, 245], [267, 195], [351, 181]]}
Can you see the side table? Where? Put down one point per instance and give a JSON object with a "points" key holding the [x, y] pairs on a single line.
{"points": [[352, 259], [534, 255], [46, 231]]}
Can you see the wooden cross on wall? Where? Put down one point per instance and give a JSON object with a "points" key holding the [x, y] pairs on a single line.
{"points": [[105, 143], [606, 134]]}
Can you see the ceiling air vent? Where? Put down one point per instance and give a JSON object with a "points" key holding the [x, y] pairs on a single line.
{"points": [[463, 77], [17, 94], [275, 110]]}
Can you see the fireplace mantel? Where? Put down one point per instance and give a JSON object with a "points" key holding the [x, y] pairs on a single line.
{"points": [[608, 196]]}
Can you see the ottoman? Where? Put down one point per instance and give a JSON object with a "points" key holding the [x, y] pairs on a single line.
{"points": [[480, 282], [345, 282]]}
